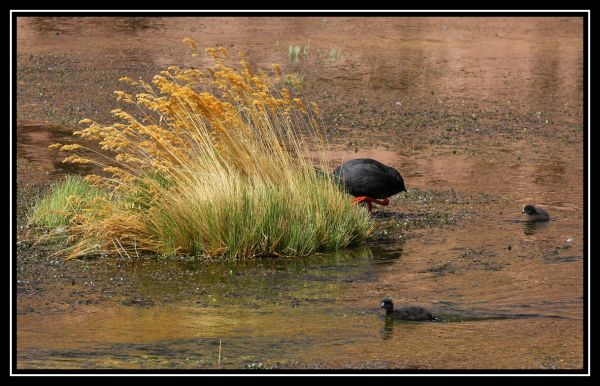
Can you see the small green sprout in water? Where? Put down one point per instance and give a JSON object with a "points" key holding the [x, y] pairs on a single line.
{"points": [[334, 54], [294, 52], [306, 50]]}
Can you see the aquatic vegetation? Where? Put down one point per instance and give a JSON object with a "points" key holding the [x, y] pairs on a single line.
{"points": [[334, 54], [298, 52], [214, 164], [295, 51]]}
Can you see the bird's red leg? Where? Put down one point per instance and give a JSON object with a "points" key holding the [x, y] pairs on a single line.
{"points": [[359, 199], [369, 200], [366, 199], [383, 202]]}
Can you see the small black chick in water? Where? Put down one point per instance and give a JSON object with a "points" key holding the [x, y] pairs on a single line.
{"points": [[370, 181], [535, 213], [414, 313]]}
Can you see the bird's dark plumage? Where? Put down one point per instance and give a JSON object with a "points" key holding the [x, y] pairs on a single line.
{"points": [[535, 213], [414, 313], [367, 177]]}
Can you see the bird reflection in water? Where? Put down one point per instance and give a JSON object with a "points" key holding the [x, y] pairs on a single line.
{"points": [[388, 328], [531, 227]]}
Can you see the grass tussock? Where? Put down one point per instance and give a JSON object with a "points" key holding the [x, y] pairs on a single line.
{"points": [[65, 200], [212, 163]]}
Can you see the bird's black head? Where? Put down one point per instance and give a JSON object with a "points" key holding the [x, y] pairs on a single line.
{"points": [[529, 209], [403, 187], [387, 305], [399, 182]]}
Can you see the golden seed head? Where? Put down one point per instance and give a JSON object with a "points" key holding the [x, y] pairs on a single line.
{"points": [[72, 147]]}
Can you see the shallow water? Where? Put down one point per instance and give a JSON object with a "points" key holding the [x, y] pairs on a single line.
{"points": [[499, 309], [509, 293]]}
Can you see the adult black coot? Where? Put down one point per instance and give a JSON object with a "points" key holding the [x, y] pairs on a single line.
{"points": [[414, 313], [369, 181], [535, 213]]}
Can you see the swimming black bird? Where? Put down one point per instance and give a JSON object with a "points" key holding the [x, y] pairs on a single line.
{"points": [[369, 181], [535, 213], [414, 313]]}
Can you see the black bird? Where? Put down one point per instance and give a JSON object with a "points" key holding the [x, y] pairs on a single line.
{"points": [[535, 213], [414, 313], [369, 180]]}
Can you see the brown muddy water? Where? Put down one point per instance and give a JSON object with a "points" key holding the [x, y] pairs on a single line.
{"points": [[480, 115]]}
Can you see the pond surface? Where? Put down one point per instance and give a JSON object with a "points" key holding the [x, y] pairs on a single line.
{"points": [[490, 119]]}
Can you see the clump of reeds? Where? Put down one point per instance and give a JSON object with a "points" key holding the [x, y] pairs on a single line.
{"points": [[214, 163], [294, 52]]}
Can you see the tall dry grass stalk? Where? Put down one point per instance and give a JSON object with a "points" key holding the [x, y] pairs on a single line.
{"points": [[212, 162]]}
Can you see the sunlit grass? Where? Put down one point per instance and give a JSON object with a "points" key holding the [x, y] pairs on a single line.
{"points": [[295, 81], [211, 163], [65, 199]]}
